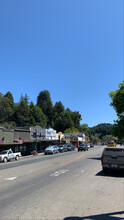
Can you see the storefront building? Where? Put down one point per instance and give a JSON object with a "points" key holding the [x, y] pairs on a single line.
{"points": [[26, 139]]}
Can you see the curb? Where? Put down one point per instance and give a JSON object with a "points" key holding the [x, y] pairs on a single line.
{"points": [[28, 156]]}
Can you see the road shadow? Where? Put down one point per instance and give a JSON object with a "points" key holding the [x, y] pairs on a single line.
{"points": [[112, 173], [107, 216], [94, 158]]}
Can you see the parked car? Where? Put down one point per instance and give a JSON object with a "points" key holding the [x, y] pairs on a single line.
{"points": [[111, 144], [8, 155], [70, 147], [65, 146], [88, 145], [91, 145], [51, 150], [112, 158], [62, 148], [83, 147]]}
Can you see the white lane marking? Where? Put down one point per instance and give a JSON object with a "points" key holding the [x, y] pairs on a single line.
{"points": [[57, 173], [11, 178]]}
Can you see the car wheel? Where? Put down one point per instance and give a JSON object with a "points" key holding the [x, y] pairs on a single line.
{"points": [[17, 157], [5, 160]]}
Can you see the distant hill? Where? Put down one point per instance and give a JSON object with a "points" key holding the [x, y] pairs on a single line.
{"points": [[102, 129]]}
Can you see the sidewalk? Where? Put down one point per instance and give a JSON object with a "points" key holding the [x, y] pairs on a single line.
{"points": [[28, 156]]}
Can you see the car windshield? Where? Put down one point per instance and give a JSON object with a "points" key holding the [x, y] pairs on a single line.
{"points": [[49, 148], [4, 152]]}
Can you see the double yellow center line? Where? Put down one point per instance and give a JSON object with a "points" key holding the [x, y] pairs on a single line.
{"points": [[67, 162]]}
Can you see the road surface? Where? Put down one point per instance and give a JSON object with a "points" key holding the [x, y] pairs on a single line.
{"points": [[63, 186]]}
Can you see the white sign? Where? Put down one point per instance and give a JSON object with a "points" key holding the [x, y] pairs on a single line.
{"points": [[80, 139]]}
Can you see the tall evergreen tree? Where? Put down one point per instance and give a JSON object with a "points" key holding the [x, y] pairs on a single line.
{"points": [[76, 118], [10, 97], [45, 103], [6, 110], [58, 108], [22, 114], [37, 116]]}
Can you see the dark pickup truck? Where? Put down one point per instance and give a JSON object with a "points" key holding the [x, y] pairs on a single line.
{"points": [[83, 147], [112, 158]]}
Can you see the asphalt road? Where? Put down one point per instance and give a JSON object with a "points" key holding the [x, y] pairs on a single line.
{"points": [[64, 186]]}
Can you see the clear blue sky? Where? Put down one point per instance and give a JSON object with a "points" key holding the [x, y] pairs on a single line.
{"points": [[72, 48]]}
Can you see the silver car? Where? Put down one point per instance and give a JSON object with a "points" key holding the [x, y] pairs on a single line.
{"points": [[51, 150]]}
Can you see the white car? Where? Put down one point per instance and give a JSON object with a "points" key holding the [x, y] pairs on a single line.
{"points": [[88, 145]]}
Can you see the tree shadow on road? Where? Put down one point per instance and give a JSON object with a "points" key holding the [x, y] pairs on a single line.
{"points": [[112, 173], [106, 216]]}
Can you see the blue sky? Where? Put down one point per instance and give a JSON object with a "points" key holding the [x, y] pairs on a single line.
{"points": [[72, 48]]}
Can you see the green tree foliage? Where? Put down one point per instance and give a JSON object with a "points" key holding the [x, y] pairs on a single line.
{"points": [[117, 97], [59, 123], [9, 125], [25, 99], [84, 128], [71, 130], [63, 121], [37, 116], [43, 113], [95, 139], [58, 109], [118, 129], [76, 118], [104, 139], [6, 111], [1, 95], [102, 129], [68, 121], [22, 114], [118, 100], [10, 97], [45, 103]]}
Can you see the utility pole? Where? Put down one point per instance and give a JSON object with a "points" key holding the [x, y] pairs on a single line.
{"points": [[36, 138]]}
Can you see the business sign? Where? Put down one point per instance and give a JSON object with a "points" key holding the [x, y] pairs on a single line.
{"points": [[50, 131], [51, 134], [80, 139]]}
